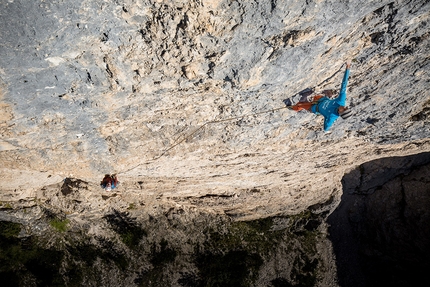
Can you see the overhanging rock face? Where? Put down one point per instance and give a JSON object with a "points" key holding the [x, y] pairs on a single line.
{"points": [[92, 87], [184, 100]]}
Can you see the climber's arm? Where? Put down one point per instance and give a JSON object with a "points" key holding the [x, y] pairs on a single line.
{"points": [[341, 99], [328, 122]]}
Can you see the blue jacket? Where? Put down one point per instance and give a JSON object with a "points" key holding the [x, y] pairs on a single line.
{"points": [[328, 108]]}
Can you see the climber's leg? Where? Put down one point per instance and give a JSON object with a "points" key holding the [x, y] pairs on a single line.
{"points": [[302, 106]]}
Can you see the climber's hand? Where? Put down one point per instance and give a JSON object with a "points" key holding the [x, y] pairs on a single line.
{"points": [[348, 65]]}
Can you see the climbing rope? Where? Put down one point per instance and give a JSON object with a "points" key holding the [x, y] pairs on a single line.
{"points": [[190, 135]]}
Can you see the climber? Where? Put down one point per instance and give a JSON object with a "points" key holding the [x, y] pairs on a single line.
{"points": [[109, 182], [114, 181], [331, 109], [106, 183]]}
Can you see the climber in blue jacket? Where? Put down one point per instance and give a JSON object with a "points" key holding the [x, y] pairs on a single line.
{"points": [[331, 109]]}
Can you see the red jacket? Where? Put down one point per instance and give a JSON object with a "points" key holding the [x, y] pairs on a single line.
{"points": [[106, 180]]}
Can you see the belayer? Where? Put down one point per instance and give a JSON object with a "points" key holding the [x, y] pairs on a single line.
{"points": [[109, 182], [331, 109]]}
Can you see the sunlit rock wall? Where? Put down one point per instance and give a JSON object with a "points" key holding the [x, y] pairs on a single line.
{"points": [[98, 86], [184, 100]]}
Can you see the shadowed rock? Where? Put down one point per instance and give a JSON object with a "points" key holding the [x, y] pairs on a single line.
{"points": [[381, 229]]}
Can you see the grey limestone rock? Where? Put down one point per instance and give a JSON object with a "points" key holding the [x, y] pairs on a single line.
{"points": [[185, 101]]}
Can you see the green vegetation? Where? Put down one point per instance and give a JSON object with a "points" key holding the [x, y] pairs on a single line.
{"points": [[235, 268], [9, 229], [5, 205], [160, 256], [131, 238], [127, 228], [59, 225], [22, 260], [304, 271], [304, 231], [87, 254], [232, 256], [253, 236]]}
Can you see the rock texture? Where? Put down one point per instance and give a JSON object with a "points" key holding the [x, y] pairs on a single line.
{"points": [[380, 231], [154, 243], [170, 95]]}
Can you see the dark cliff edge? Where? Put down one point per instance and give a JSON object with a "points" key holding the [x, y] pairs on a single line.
{"points": [[377, 236], [278, 251], [381, 229]]}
